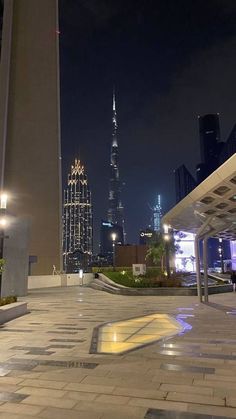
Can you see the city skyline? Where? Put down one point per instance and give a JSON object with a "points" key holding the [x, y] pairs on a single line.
{"points": [[169, 64]]}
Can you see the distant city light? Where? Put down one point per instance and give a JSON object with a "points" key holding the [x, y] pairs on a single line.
{"points": [[3, 222], [3, 201]]}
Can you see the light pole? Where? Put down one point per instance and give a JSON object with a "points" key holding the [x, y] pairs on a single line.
{"points": [[166, 237], [3, 223], [113, 236], [220, 249]]}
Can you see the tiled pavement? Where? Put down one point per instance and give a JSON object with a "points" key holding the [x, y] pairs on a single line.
{"points": [[46, 370]]}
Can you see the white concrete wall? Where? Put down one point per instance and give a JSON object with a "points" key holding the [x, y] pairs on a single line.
{"points": [[48, 281]]}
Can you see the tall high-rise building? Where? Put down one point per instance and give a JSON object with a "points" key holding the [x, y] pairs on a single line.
{"points": [[77, 220], [184, 182], [229, 147], [209, 133], [115, 213], [110, 235], [156, 214], [30, 155]]}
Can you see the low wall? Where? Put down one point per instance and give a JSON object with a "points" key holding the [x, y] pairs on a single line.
{"points": [[103, 283], [171, 291], [12, 311], [64, 280]]}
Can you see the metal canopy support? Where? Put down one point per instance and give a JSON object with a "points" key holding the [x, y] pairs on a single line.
{"points": [[205, 268], [198, 236], [198, 272], [204, 235]]}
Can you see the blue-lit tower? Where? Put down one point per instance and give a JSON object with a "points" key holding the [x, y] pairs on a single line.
{"points": [[156, 214], [115, 213]]}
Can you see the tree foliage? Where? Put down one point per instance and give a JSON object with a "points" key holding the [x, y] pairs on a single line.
{"points": [[159, 247]]}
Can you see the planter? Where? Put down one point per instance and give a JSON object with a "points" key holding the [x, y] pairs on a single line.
{"points": [[12, 311]]}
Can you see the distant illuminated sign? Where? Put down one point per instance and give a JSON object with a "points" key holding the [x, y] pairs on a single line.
{"points": [[106, 224], [146, 234]]}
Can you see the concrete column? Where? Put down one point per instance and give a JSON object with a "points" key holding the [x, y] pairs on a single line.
{"points": [[198, 272], [30, 124], [205, 267]]}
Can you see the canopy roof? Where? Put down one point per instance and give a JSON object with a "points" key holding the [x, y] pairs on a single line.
{"points": [[213, 200]]}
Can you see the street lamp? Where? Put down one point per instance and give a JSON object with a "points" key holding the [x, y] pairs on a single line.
{"points": [[113, 236], [3, 224], [220, 250], [166, 237]]}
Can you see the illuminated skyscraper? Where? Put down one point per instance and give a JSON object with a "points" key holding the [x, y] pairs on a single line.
{"points": [[78, 223], [116, 209], [156, 214]]}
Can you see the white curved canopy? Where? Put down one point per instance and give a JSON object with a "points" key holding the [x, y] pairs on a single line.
{"points": [[214, 200]]}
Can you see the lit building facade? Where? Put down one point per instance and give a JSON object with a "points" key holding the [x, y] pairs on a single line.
{"points": [[77, 221], [115, 214], [185, 255], [233, 254], [156, 214]]}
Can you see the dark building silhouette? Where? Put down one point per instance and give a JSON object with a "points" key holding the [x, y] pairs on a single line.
{"points": [[184, 182], [209, 133], [229, 147], [213, 154], [111, 235]]}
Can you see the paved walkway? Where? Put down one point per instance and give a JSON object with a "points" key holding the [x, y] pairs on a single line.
{"points": [[46, 370]]}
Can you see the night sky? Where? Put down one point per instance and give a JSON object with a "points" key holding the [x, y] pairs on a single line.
{"points": [[170, 60]]}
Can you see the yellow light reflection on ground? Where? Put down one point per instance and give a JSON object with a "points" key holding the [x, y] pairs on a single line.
{"points": [[119, 337]]}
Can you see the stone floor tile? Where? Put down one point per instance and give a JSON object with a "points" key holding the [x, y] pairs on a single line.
{"points": [[231, 401], [11, 388], [39, 391], [187, 389], [113, 399], [80, 395], [225, 412], [125, 411], [159, 404], [137, 392], [20, 408], [10, 380], [44, 383], [5, 415], [172, 379], [215, 384], [195, 398], [217, 377], [55, 413], [90, 388], [49, 401]]}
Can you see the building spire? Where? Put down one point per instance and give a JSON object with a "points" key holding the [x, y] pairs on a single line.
{"points": [[115, 209], [114, 120]]}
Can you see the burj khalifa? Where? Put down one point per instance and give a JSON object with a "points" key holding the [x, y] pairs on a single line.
{"points": [[115, 213]]}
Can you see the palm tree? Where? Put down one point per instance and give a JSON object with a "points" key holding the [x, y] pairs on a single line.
{"points": [[156, 250], [160, 250]]}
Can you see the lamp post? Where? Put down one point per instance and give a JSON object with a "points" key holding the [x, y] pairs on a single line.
{"points": [[166, 237], [220, 249], [3, 223], [113, 236]]}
